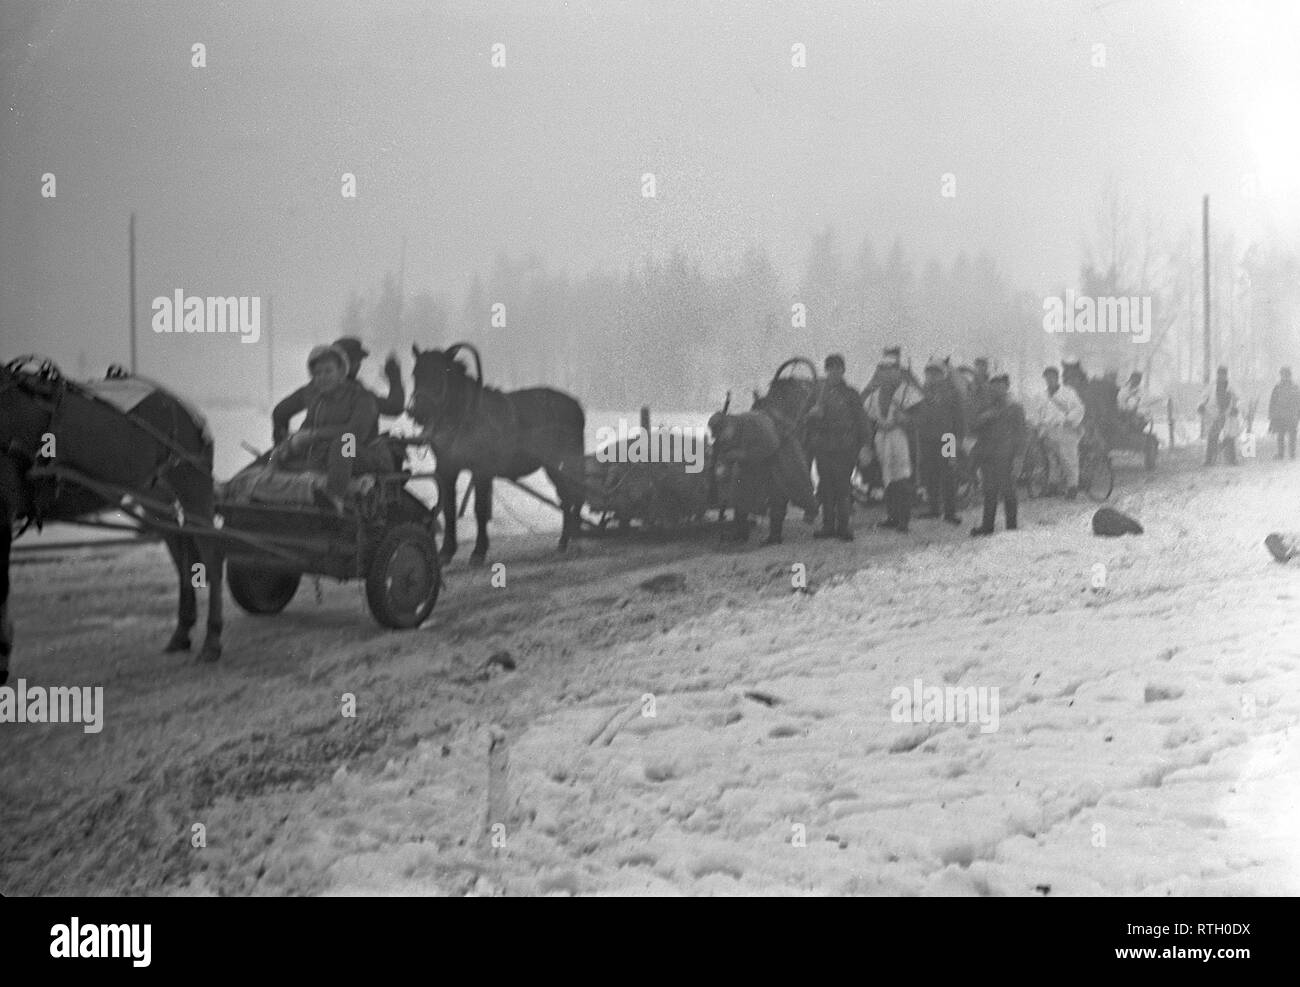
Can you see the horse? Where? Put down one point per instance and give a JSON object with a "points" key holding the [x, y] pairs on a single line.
{"points": [[65, 453], [494, 433], [761, 453]]}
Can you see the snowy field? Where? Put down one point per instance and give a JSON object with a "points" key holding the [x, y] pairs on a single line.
{"points": [[1146, 737]]}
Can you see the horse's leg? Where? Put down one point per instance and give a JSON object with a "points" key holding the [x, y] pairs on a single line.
{"points": [[213, 556], [187, 609], [447, 500], [482, 514], [6, 628], [571, 494]]}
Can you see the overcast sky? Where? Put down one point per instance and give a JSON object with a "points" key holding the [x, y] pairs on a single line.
{"points": [[234, 169]]}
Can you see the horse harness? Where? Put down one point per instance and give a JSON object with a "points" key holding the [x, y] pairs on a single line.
{"points": [[50, 396]]}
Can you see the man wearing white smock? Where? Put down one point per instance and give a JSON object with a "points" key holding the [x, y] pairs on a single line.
{"points": [[889, 408], [1059, 418]]}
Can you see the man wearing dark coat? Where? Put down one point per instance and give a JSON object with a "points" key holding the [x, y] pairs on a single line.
{"points": [[1284, 412], [296, 403], [941, 428], [837, 427], [1003, 437], [340, 424]]}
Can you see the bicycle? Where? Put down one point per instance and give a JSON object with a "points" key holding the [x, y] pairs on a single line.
{"points": [[1096, 475]]}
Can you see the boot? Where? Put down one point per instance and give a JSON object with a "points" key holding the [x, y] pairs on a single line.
{"points": [[842, 530], [739, 530], [891, 508], [903, 508]]}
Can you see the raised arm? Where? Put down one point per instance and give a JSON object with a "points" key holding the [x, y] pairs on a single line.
{"points": [[283, 413], [395, 402]]}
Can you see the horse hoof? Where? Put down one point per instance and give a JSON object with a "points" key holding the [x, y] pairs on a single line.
{"points": [[210, 652], [177, 643], [476, 560]]}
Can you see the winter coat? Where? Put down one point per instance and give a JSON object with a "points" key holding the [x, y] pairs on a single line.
{"points": [[1063, 410], [1284, 408], [837, 423], [942, 412], [1218, 409], [348, 409], [1002, 434], [392, 405]]}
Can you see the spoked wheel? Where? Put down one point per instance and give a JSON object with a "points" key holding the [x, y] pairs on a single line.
{"points": [[1097, 477], [261, 592], [404, 578]]}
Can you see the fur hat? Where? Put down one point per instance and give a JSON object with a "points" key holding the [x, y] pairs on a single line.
{"points": [[320, 352], [351, 346]]}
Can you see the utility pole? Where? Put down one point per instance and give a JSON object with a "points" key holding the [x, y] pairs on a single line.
{"points": [[130, 247], [401, 297], [1205, 251], [270, 355]]}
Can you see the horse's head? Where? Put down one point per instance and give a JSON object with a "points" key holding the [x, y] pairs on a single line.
{"points": [[443, 386], [27, 399], [790, 397]]}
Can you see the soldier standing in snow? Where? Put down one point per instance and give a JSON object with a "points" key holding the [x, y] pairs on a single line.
{"points": [[837, 427], [1220, 407], [1002, 439], [941, 423], [1059, 418], [889, 409], [1284, 412]]}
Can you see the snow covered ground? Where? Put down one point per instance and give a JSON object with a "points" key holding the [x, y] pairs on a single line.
{"points": [[1146, 737]]}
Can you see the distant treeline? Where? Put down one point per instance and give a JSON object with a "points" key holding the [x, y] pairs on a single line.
{"points": [[676, 333]]}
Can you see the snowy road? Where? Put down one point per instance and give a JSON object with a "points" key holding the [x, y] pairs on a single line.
{"points": [[1146, 738]]}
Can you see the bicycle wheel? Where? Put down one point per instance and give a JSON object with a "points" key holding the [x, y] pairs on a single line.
{"points": [[1099, 480]]}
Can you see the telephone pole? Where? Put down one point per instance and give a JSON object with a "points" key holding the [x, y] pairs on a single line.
{"points": [[130, 248], [1205, 251]]}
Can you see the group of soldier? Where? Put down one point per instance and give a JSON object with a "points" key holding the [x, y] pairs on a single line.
{"points": [[909, 433], [950, 415]]}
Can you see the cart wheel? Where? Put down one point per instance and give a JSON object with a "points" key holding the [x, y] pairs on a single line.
{"points": [[404, 578], [1150, 451], [261, 592]]}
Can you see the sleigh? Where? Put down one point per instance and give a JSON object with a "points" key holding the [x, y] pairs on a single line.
{"points": [[622, 487]]}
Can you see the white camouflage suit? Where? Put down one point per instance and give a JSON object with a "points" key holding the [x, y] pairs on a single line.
{"points": [[891, 436], [1059, 417]]}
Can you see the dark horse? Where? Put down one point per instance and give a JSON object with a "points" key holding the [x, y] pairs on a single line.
{"points": [[51, 430], [494, 433]]}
